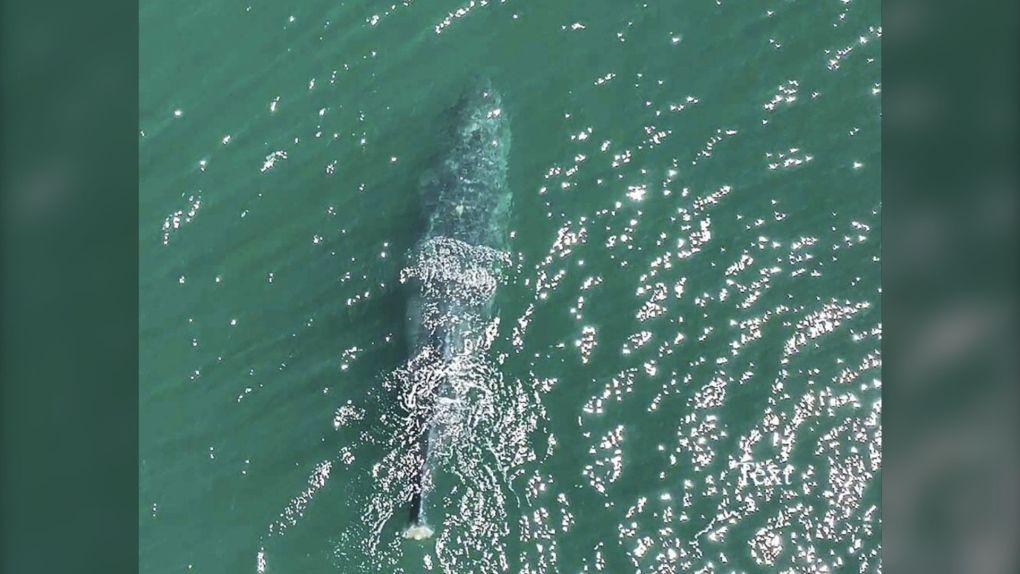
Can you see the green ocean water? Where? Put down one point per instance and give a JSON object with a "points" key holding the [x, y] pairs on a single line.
{"points": [[688, 345]]}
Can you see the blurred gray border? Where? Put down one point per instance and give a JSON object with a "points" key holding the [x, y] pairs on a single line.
{"points": [[951, 486], [69, 286]]}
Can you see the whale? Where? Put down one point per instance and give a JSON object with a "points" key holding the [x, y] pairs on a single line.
{"points": [[456, 270]]}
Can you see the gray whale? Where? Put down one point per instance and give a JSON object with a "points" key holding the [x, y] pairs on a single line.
{"points": [[455, 270]]}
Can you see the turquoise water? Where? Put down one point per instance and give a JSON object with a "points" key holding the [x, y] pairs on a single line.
{"points": [[686, 364]]}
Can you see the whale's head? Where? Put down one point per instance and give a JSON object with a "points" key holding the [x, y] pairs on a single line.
{"points": [[471, 198], [480, 93], [482, 116]]}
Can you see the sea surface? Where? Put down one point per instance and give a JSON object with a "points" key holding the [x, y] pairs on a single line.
{"points": [[685, 372]]}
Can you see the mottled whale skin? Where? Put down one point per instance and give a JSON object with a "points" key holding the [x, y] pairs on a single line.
{"points": [[466, 202]]}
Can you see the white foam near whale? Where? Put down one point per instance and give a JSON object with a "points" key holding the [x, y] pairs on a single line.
{"points": [[418, 532]]}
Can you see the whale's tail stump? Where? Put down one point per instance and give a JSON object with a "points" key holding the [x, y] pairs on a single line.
{"points": [[417, 528]]}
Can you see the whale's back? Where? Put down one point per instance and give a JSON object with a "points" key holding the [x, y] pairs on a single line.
{"points": [[471, 200]]}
